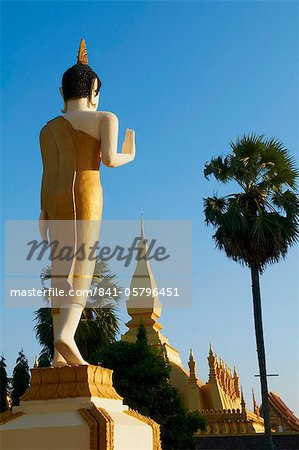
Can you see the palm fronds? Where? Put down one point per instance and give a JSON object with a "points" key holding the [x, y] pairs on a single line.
{"points": [[256, 226]]}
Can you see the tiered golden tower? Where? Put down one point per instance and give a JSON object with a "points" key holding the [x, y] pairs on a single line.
{"points": [[220, 399]]}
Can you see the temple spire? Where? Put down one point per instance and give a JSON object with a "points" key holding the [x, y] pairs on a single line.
{"points": [[36, 363], [143, 276], [145, 308], [142, 226], [243, 404], [212, 365], [192, 367], [255, 405], [236, 382]]}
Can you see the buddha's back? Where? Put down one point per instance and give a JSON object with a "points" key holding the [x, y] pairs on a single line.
{"points": [[71, 187]]}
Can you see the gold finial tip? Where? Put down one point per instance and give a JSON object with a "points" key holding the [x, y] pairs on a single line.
{"points": [[82, 53]]}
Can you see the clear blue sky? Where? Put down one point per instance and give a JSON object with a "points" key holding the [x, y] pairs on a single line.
{"points": [[189, 77]]}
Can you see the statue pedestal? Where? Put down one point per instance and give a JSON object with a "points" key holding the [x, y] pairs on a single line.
{"points": [[76, 408]]}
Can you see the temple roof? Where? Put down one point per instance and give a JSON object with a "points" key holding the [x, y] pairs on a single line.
{"points": [[282, 409]]}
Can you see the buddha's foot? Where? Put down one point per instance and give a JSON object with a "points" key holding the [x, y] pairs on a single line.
{"points": [[58, 360], [59, 364], [69, 351]]}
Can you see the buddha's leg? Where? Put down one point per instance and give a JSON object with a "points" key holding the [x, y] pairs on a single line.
{"points": [[58, 359], [61, 286], [64, 341], [78, 282], [65, 321]]}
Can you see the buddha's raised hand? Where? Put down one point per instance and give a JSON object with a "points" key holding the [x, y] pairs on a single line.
{"points": [[128, 146], [109, 138]]}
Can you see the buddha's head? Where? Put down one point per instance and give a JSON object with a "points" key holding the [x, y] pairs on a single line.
{"points": [[81, 82]]}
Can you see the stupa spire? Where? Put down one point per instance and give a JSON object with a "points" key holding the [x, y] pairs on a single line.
{"points": [[212, 364], [36, 363], [143, 306], [236, 382], [255, 405], [142, 226], [192, 366], [146, 308], [243, 404]]}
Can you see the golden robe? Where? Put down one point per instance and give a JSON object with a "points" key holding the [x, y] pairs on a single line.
{"points": [[71, 197]]}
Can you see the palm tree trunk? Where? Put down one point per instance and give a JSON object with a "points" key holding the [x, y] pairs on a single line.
{"points": [[259, 335]]}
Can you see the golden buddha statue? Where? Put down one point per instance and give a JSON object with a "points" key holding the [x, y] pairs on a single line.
{"points": [[73, 146]]}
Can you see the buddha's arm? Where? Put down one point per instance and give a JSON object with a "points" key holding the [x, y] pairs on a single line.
{"points": [[109, 136], [43, 218], [43, 225]]}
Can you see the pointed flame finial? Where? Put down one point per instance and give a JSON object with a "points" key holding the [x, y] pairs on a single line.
{"points": [[82, 53], [211, 352]]}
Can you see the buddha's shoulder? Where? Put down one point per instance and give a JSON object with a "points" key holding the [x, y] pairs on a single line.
{"points": [[50, 123], [107, 116]]}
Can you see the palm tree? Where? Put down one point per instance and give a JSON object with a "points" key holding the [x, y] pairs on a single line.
{"points": [[256, 226], [99, 322]]}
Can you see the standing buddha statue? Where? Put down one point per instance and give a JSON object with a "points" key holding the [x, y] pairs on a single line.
{"points": [[73, 146]]}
